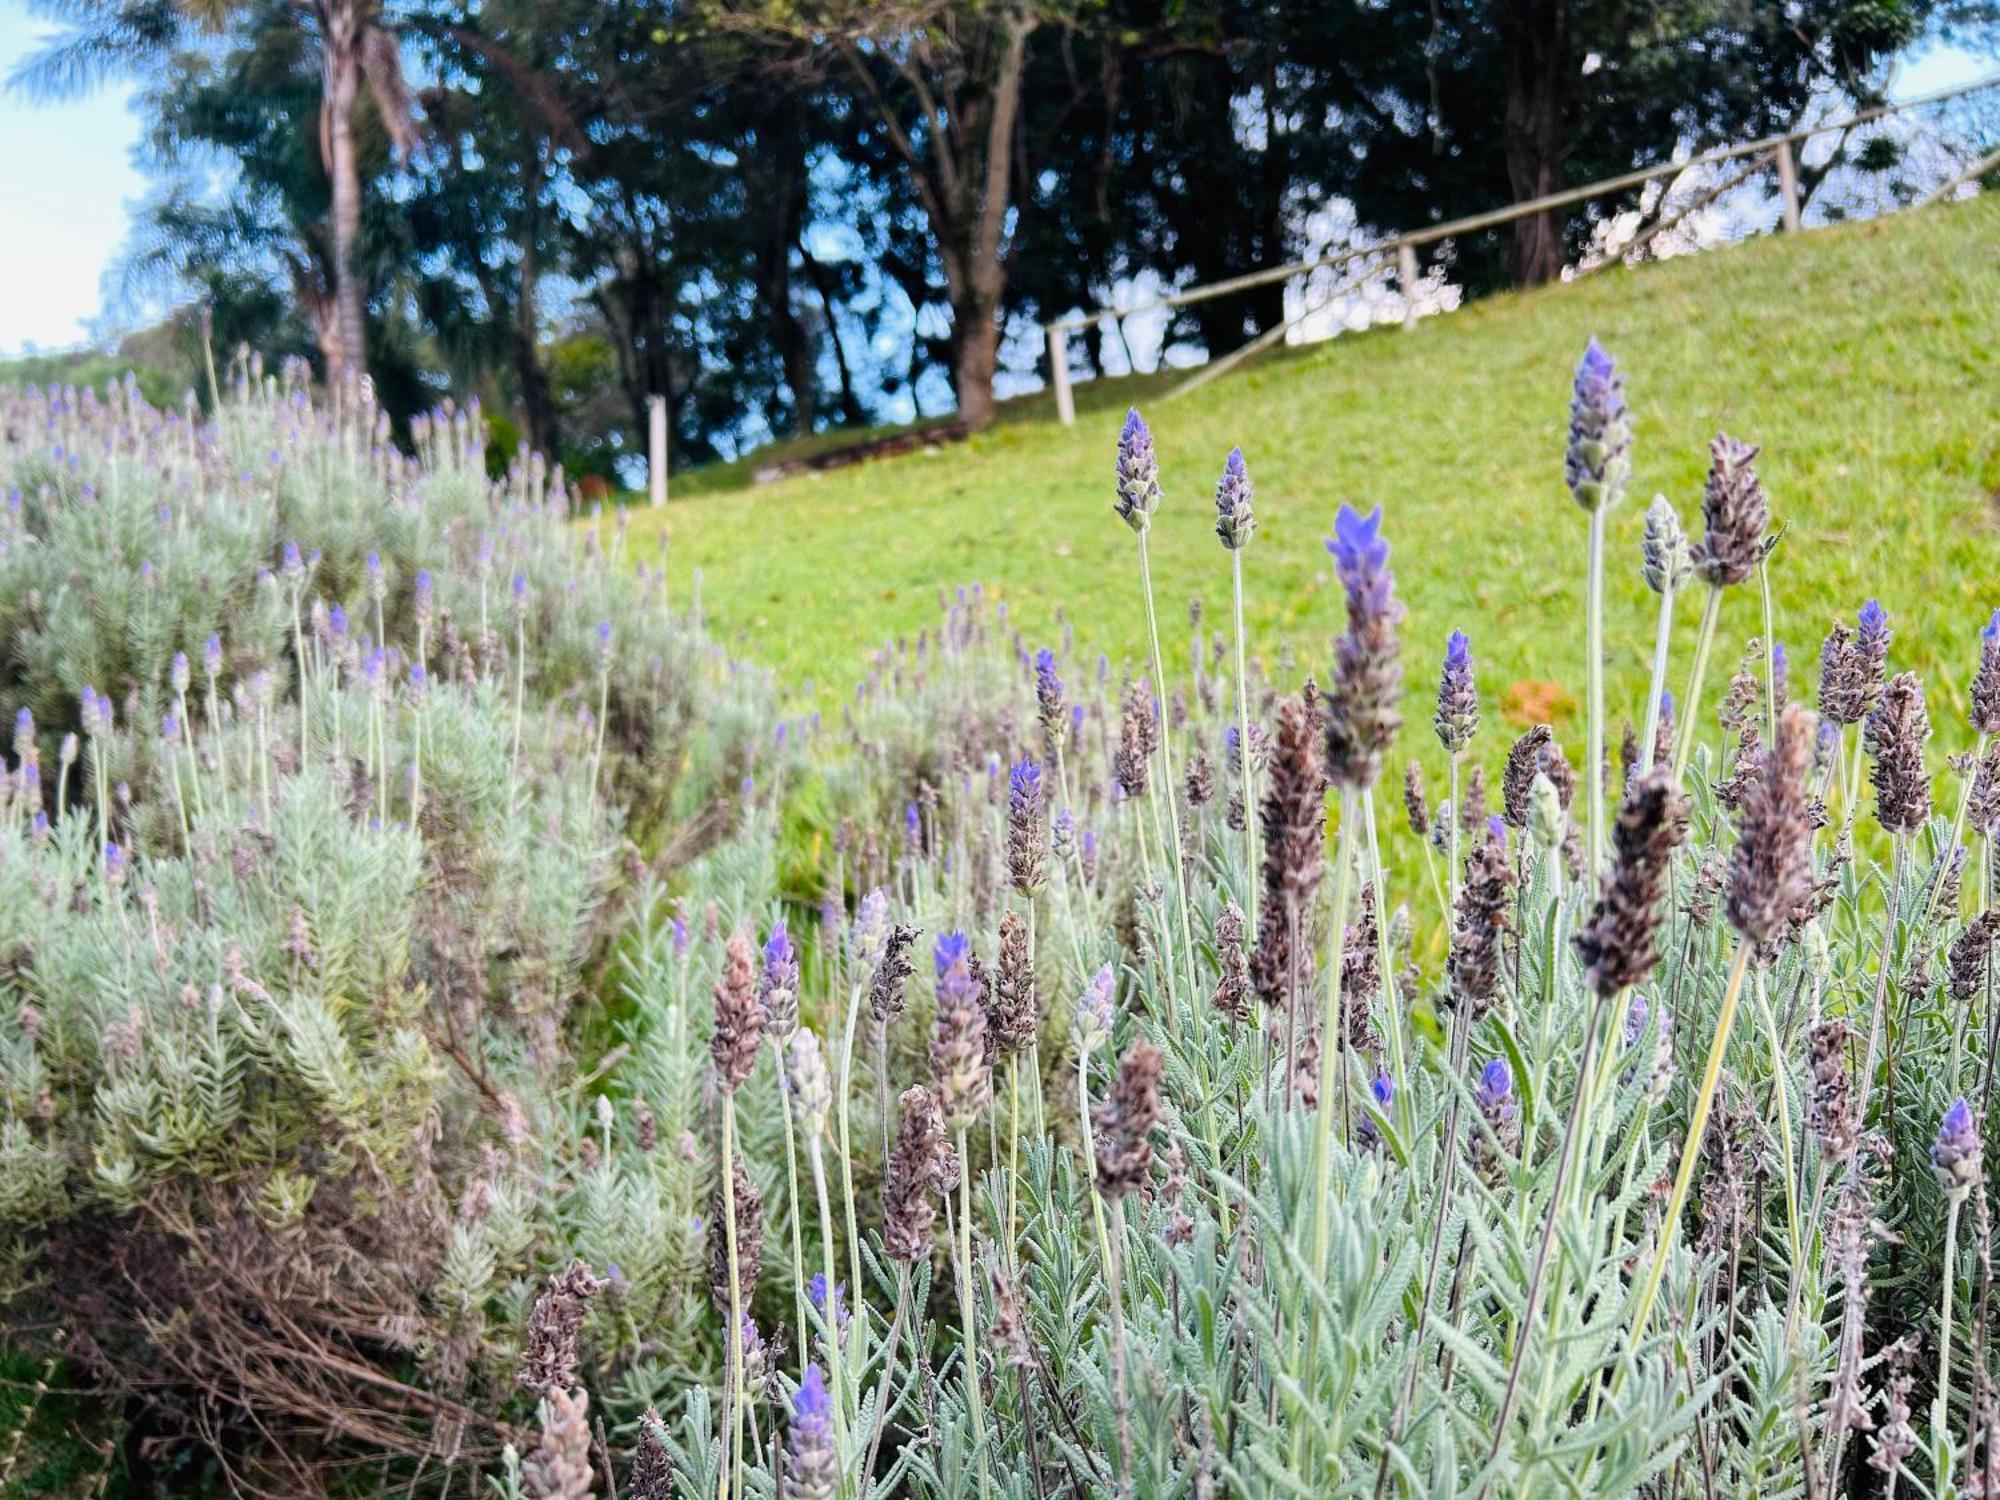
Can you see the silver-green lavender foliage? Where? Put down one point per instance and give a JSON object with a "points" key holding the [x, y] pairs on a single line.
{"points": [[1423, 1284]]}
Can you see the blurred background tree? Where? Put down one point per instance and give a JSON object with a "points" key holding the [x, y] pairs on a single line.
{"points": [[788, 216]]}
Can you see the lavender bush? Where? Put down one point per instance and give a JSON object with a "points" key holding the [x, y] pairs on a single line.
{"points": [[1041, 1079]]}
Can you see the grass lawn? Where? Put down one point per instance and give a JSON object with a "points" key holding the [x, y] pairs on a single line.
{"points": [[1865, 359]]}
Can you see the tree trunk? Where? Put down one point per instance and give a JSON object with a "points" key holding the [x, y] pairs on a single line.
{"points": [[963, 179], [975, 356], [1535, 38], [340, 68]]}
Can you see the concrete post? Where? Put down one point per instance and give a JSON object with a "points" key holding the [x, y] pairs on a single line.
{"points": [[656, 448], [1059, 375], [1788, 186]]}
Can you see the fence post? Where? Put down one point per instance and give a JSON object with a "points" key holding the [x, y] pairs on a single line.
{"points": [[656, 447], [1788, 185], [1406, 282], [1059, 374]]}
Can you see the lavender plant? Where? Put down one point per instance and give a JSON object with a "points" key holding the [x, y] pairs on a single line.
{"points": [[1640, 1152]]}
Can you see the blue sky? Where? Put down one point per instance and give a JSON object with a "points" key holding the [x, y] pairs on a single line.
{"points": [[72, 186]]}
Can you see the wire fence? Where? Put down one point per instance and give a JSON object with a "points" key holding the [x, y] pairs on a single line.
{"points": [[1683, 205]]}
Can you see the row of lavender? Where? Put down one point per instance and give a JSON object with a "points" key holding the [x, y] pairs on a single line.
{"points": [[1179, 1172], [474, 1035]]}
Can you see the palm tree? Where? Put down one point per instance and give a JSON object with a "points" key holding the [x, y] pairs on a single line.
{"points": [[356, 50]]}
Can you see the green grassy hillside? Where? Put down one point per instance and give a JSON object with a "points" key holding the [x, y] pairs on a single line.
{"points": [[1866, 360]]}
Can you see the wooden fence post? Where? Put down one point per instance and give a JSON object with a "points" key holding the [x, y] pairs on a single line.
{"points": [[1788, 186], [656, 447], [1406, 282], [1059, 374]]}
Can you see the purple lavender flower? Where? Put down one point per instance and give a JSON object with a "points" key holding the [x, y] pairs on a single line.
{"points": [[1636, 1016], [681, 944], [336, 624], [951, 957], [913, 826], [294, 565], [1496, 1087], [1362, 714], [812, 1470], [816, 1294], [114, 863], [1235, 521], [1095, 1012], [211, 657], [1382, 1089], [1986, 681], [178, 673], [1027, 844], [778, 985], [1598, 461], [170, 728], [1955, 1155], [24, 733], [1049, 701], [1496, 1135], [1871, 651], [1458, 698], [1138, 474]]}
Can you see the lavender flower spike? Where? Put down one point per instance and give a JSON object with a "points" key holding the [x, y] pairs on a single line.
{"points": [[1599, 460], [1667, 562], [1955, 1155], [1736, 513], [1235, 522], [812, 1470], [1986, 681], [1362, 716], [1457, 718], [1138, 474]]}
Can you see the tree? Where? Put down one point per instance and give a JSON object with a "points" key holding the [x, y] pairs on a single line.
{"points": [[942, 80]]}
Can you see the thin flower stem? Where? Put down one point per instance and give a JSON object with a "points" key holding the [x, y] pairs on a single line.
{"points": [[1453, 871], [1593, 774], [829, 1319], [1887, 956], [1332, 1059], [857, 1320], [975, 1400], [1783, 1104], [1393, 1020], [1655, 693], [732, 1467], [1941, 1411], [1957, 832], [1167, 761], [1704, 1100], [1120, 1353], [1689, 709], [798, 1206], [1243, 747]]}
